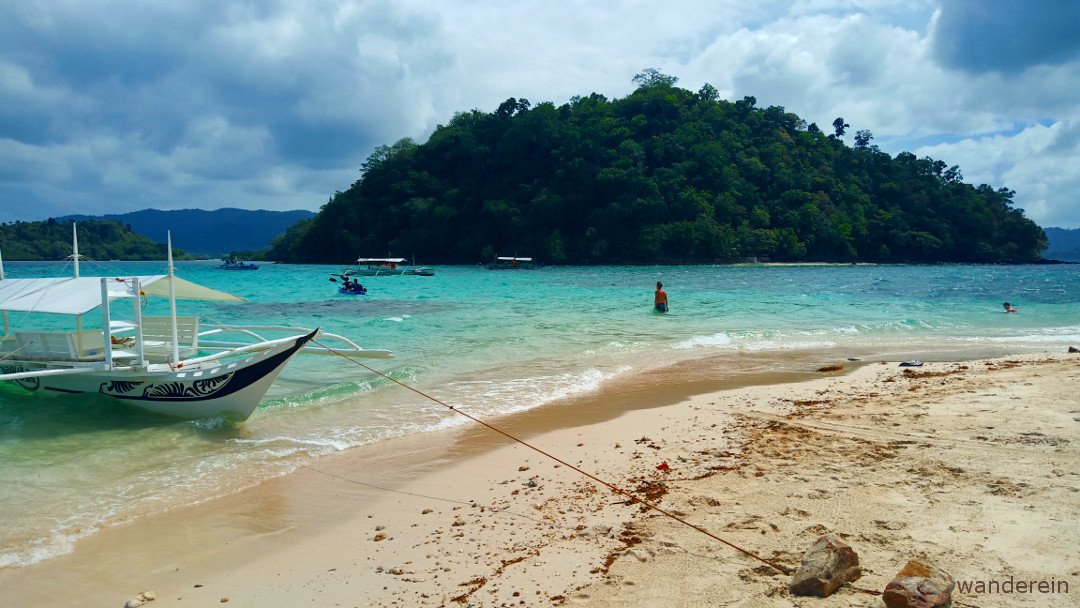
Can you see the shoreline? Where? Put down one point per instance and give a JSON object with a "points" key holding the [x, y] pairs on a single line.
{"points": [[502, 520]]}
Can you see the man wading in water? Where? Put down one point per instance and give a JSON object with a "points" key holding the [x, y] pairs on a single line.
{"points": [[660, 298]]}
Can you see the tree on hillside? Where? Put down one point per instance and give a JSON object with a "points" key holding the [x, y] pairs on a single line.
{"points": [[651, 77], [839, 127], [663, 174]]}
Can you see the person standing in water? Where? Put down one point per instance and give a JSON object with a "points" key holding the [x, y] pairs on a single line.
{"points": [[660, 298], [1009, 307]]}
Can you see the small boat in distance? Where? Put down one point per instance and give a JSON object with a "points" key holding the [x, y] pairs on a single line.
{"points": [[512, 263], [381, 267], [234, 264], [172, 365]]}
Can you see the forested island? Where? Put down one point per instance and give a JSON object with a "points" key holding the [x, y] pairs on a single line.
{"points": [[98, 240], [664, 175]]}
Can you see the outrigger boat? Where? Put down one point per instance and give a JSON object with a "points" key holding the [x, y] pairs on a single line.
{"points": [[171, 365], [512, 263], [379, 267]]}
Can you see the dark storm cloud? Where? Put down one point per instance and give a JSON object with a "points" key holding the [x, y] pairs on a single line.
{"points": [[151, 70], [178, 94], [1006, 35]]}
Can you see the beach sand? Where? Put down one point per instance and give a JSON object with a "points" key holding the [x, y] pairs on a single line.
{"points": [[971, 465]]}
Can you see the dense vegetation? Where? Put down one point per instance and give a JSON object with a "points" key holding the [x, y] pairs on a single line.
{"points": [[211, 233], [662, 175], [98, 240]]}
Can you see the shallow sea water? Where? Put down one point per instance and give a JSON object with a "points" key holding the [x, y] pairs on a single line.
{"points": [[491, 342]]}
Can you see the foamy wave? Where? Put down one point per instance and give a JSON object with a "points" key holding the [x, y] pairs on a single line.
{"points": [[210, 424], [1038, 338], [43, 549], [723, 340], [787, 344], [716, 340], [318, 444], [520, 394]]}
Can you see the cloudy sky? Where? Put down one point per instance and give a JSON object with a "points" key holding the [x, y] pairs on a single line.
{"points": [[114, 106]]}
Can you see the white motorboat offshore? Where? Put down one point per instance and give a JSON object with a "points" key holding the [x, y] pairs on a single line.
{"points": [[172, 365], [512, 263], [381, 267]]}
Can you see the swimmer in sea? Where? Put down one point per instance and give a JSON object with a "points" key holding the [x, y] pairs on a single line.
{"points": [[660, 298], [1009, 307]]}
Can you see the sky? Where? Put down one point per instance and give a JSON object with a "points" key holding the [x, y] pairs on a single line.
{"points": [[116, 106]]}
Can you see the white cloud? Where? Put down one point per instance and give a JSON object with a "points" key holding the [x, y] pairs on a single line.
{"points": [[276, 104], [1042, 158]]}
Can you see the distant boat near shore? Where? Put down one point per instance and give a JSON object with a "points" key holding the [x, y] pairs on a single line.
{"points": [[231, 264], [512, 263], [381, 267]]}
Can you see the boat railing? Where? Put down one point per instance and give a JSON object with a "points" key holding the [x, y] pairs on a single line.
{"points": [[54, 346], [330, 344], [238, 350]]}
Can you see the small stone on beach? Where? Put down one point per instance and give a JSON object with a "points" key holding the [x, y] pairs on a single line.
{"points": [[919, 584], [826, 565]]}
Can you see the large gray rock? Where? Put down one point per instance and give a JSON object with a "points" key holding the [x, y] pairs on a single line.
{"points": [[919, 584], [826, 565]]}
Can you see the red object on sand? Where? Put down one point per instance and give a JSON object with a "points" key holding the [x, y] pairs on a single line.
{"points": [[663, 466]]}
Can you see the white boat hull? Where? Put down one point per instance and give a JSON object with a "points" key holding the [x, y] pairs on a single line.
{"points": [[210, 389]]}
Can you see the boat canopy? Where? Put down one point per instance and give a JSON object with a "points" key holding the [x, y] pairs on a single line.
{"points": [[513, 259], [380, 260], [80, 295]]}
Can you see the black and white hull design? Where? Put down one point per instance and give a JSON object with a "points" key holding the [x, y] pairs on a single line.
{"points": [[208, 389]]}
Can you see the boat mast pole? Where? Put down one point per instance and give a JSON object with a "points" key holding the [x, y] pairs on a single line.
{"points": [[106, 320], [1, 279], [75, 248], [75, 257], [172, 305], [139, 350]]}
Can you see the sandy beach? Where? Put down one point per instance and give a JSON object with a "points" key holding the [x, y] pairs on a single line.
{"points": [[971, 465]]}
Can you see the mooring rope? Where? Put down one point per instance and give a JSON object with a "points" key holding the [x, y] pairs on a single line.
{"points": [[631, 497]]}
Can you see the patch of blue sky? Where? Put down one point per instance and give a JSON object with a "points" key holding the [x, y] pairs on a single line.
{"points": [[937, 139]]}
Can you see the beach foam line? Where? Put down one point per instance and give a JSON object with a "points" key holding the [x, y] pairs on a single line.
{"points": [[507, 396], [302, 443], [42, 549]]}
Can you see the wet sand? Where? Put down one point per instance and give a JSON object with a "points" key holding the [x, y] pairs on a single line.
{"points": [[971, 465]]}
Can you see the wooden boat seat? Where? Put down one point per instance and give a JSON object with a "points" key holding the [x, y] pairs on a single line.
{"points": [[157, 336]]}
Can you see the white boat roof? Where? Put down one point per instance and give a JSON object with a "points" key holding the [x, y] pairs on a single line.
{"points": [[386, 260], [76, 296], [509, 259]]}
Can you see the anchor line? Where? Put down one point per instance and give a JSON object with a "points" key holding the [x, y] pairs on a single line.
{"points": [[616, 489]]}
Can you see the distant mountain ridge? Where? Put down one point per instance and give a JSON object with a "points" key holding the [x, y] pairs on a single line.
{"points": [[200, 231], [1064, 244]]}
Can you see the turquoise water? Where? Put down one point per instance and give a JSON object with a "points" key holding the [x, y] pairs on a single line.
{"points": [[489, 341]]}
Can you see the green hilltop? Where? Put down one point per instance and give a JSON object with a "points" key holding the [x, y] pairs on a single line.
{"points": [[664, 175], [98, 240]]}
